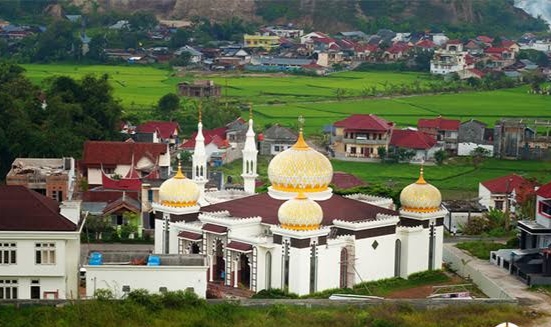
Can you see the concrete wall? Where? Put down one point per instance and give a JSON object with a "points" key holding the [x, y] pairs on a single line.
{"points": [[459, 262], [465, 148], [373, 264], [151, 278]]}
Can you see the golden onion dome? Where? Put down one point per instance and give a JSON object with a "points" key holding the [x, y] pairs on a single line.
{"points": [[420, 196], [300, 213], [179, 191], [300, 168]]}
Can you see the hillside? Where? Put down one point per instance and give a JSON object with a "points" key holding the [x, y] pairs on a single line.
{"points": [[476, 16]]}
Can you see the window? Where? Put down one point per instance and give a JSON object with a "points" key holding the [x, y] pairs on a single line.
{"points": [[45, 253], [8, 253], [499, 205], [109, 171], [8, 289]]}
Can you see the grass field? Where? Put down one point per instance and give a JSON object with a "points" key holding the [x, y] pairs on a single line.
{"points": [[139, 88], [458, 179]]}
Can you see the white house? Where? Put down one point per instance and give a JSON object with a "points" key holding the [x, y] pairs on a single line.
{"points": [[500, 193], [450, 59], [39, 248], [299, 236]]}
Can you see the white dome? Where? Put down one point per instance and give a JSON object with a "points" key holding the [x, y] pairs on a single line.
{"points": [[420, 196], [179, 191], [300, 213]]}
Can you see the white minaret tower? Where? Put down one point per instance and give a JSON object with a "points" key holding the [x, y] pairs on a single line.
{"points": [[199, 159], [250, 158]]}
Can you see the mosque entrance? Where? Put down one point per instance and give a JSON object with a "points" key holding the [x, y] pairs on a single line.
{"points": [[219, 269], [244, 271]]}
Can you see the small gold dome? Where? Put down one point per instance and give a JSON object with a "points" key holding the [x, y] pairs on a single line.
{"points": [[179, 191], [420, 196], [300, 213], [300, 168]]}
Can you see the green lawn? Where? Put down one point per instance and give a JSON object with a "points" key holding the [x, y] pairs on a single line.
{"points": [[481, 249]]}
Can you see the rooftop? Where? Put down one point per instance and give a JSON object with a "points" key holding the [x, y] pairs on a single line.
{"points": [[140, 259]]}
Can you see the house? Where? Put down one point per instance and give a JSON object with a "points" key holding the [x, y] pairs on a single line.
{"points": [[470, 73], [460, 212], [123, 272], [518, 138], [159, 132], [308, 37], [500, 57], [422, 144], [500, 193], [472, 134], [215, 141], [199, 89], [260, 41], [329, 58], [119, 25], [54, 178], [446, 131], [40, 248], [450, 59], [195, 55], [277, 63], [361, 135], [142, 59], [395, 52], [486, 40], [276, 139], [531, 262], [102, 159], [236, 131], [282, 31]]}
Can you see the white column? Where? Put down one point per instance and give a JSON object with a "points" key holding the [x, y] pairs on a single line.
{"points": [[210, 268], [235, 271], [250, 160], [200, 162]]}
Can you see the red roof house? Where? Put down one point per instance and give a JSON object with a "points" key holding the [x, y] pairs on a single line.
{"points": [[496, 193], [166, 129], [362, 122], [411, 139], [439, 123]]}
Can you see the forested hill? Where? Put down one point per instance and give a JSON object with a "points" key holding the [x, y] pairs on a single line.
{"points": [[476, 16]]}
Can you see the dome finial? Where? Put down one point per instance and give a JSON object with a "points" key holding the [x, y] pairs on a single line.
{"points": [[301, 143], [179, 174], [421, 179]]}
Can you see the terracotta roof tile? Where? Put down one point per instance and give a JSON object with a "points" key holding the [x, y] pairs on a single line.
{"points": [[440, 123], [25, 210], [365, 122], [545, 191], [411, 139], [505, 184], [120, 153], [166, 128]]}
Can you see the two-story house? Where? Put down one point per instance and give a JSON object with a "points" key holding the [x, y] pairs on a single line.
{"points": [[472, 134], [500, 193], [158, 132], [101, 158], [361, 135], [451, 59], [39, 248], [445, 131], [52, 177]]}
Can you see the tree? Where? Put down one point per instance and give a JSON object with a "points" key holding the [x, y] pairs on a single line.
{"points": [[182, 60], [167, 106], [478, 155], [440, 156], [142, 20], [381, 151], [180, 38]]}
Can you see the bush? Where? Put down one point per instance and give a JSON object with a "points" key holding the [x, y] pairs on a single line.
{"points": [[274, 293], [104, 294], [475, 226], [181, 299], [142, 297]]}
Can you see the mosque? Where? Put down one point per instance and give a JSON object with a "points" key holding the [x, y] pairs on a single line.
{"points": [[298, 236]]}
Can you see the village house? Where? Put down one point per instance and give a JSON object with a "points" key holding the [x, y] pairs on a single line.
{"points": [[473, 134], [196, 56], [54, 178], [215, 142], [101, 159], [500, 193], [39, 246], [450, 59], [445, 131], [360, 136], [158, 132], [276, 139], [422, 144], [260, 41], [199, 89]]}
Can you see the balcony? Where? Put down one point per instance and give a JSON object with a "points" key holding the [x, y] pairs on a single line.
{"points": [[382, 141]]}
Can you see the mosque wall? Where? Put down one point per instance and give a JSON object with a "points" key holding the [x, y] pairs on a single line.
{"points": [[374, 257], [299, 271], [329, 266], [414, 250]]}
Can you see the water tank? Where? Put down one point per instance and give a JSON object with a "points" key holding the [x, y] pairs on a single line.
{"points": [[153, 260], [96, 259]]}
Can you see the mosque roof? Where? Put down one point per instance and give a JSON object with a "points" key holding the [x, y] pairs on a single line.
{"points": [[266, 207]]}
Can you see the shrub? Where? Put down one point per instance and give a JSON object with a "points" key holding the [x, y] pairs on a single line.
{"points": [[476, 226], [142, 297], [181, 299], [104, 294], [274, 293]]}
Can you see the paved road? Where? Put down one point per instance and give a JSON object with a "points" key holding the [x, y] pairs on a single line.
{"points": [[534, 300]]}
